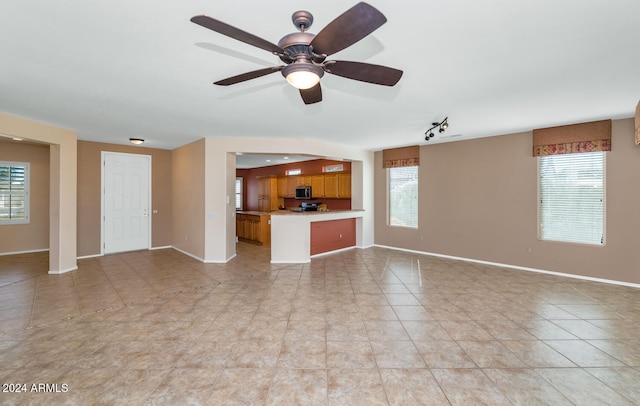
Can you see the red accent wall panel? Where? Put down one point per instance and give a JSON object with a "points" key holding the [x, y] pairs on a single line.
{"points": [[332, 235]]}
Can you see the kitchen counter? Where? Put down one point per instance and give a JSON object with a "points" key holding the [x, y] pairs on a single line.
{"points": [[314, 213], [291, 232], [254, 212]]}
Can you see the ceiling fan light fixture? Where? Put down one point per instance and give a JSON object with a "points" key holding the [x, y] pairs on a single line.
{"points": [[303, 75]]}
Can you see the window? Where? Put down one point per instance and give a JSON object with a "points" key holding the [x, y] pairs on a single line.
{"points": [[571, 197], [291, 172], [238, 193], [403, 196], [14, 192], [333, 168]]}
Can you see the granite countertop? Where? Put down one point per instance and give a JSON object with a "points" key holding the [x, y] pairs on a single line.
{"points": [[312, 213], [254, 213], [288, 212]]}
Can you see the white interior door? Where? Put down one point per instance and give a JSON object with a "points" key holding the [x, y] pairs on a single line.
{"points": [[126, 203]]}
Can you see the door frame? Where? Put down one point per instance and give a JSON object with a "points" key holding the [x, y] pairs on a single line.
{"points": [[103, 192]]}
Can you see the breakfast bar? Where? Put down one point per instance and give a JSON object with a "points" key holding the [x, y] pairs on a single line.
{"points": [[296, 236]]}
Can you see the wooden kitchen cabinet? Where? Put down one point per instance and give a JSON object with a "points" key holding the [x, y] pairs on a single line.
{"points": [[331, 186], [317, 186], [344, 185], [337, 186], [268, 193], [282, 186], [253, 228], [292, 183], [326, 185]]}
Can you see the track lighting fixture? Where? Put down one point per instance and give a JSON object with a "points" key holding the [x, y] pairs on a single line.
{"points": [[441, 126]]}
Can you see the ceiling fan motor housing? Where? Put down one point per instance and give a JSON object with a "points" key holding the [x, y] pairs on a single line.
{"points": [[296, 46]]}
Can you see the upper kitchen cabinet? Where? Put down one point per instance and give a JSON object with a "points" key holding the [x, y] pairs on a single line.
{"points": [[325, 185], [344, 185], [282, 186], [337, 186], [292, 182], [317, 186]]}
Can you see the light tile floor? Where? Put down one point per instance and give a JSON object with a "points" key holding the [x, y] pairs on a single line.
{"points": [[361, 327]]}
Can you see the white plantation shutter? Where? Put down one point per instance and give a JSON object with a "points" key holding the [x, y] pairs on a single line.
{"points": [[238, 193], [14, 192], [571, 203], [403, 196]]}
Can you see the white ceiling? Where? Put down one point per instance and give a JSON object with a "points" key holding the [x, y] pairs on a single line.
{"points": [[116, 69], [248, 161]]}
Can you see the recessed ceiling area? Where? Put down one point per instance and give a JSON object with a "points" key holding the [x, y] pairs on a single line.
{"points": [[250, 161], [115, 70]]}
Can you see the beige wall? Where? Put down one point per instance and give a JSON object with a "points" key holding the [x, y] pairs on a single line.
{"points": [[35, 235], [63, 161], [188, 198], [478, 200], [89, 181]]}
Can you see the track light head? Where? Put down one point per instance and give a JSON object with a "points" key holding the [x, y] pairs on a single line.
{"points": [[441, 126]]}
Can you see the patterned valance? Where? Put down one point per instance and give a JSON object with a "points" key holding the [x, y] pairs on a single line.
{"points": [[570, 139], [638, 124], [397, 157]]}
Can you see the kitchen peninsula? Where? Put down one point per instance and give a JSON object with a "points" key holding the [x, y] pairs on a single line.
{"points": [[296, 236]]}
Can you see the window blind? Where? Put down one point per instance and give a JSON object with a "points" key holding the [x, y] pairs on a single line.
{"points": [[238, 193], [572, 193], [403, 196], [14, 189]]}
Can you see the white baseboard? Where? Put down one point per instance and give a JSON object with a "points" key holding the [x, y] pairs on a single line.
{"points": [[202, 259], [188, 254], [90, 256], [333, 252], [61, 271], [161, 248], [364, 247], [23, 252], [289, 262], [516, 267]]}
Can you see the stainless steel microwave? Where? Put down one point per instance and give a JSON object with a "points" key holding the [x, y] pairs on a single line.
{"points": [[303, 192]]}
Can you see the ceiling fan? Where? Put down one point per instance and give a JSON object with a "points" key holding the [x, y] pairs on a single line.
{"points": [[305, 54]]}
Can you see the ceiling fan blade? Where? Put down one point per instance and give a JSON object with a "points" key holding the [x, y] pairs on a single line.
{"points": [[311, 95], [236, 33], [248, 76], [347, 29], [364, 72]]}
